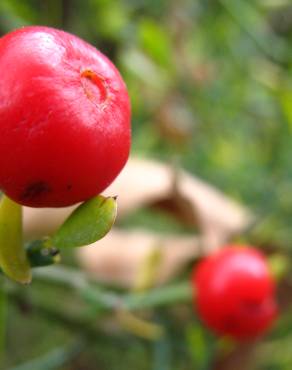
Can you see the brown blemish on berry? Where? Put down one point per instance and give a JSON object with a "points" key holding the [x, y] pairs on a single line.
{"points": [[94, 86], [252, 306], [35, 190], [69, 187], [230, 322]]}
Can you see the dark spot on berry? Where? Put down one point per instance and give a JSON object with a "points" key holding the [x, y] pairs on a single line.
{"points": [[251, 306], [35, 189], [69, 186], [230, 322]]}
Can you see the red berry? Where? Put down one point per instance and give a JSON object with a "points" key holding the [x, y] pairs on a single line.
{"points": [[64, 118], [235, 292]]}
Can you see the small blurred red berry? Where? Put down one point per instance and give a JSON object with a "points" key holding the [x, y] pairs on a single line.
{"points": [[64, 118], [235, 293]]}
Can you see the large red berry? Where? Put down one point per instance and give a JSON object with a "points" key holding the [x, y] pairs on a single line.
{"points": [[64, 118], [234, 292]]}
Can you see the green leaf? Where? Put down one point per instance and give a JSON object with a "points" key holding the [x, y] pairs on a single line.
{"points": [[90, 222], [13, 259], [161, 296], [197, 345], [162, 355], [285, 97], [54, 359], [156, 42], [279, 265]]}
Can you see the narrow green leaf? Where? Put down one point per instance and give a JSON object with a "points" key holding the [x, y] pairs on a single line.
{"points": [[250, 19], [3, 321], [156, 42], [180, 292], [55, 359], [162, 354], [197, 345], [13, 259], [90, 222]]}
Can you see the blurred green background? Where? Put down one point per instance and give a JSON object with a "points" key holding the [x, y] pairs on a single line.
{"points": [[211, 89]]}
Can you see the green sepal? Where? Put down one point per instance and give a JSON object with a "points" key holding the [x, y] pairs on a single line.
{"points": [[90, 222]]}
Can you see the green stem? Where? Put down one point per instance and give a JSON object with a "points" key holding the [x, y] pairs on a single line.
{"points": [[180, 292]]}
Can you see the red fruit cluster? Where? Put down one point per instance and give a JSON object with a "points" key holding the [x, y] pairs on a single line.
{"points": [[64, 118], [235, 293]]}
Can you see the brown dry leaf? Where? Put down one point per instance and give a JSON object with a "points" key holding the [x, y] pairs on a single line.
{"points": [[119, 257], [217, 216], [145, 182], [140, 183], [39, 222]]}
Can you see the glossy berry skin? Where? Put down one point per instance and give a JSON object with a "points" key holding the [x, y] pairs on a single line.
{"points": [[234, 293], [64, 118]]}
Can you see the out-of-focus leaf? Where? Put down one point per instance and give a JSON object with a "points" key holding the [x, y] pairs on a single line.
{"points": [[198, 346], [54, 359], [254, 24], [14, 14], [51, 12], [149, 272], [89, 222], [139, 327], [3, 321], [156, 42], [285, 101], [180, 292], [112, 18], [162, 354], [279, 266], [145, 70], [274, 3], [22, 9], [13, 259]]}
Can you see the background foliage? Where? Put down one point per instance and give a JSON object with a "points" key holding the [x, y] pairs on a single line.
{"points": [[210, 83]]}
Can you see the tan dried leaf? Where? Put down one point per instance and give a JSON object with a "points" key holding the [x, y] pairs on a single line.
{"points": [[119, 257]]}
